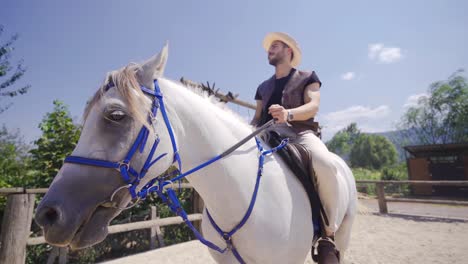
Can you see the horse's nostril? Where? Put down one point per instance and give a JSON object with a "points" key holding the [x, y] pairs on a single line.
{"points": [[47, 216], [51, 215]]}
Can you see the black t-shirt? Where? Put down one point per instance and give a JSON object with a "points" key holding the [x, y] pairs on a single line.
{"points": [[278, 91]]}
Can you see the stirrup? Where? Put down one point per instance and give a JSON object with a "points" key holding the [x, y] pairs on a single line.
{"points": [[326, 251]]}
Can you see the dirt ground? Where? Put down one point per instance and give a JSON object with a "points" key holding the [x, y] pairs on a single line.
{"points": [[430, 234]]}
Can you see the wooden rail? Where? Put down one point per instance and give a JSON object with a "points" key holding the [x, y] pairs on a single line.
{"points": [[406, 200], [8, 191], [115, 229], [435, 183], [18, 216], [383, 199]]}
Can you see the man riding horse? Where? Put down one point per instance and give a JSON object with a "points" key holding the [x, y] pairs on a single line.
{"points": [[292, 97]]}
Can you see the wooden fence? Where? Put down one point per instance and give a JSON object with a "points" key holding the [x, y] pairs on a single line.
{"points": [[18, 217], [379, 187]]}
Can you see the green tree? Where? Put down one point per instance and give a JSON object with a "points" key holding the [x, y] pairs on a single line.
{"points": [[343, 141], [442, 117], [11, 73], [373, 152], [14, 163], [14, 159], [59, 138]]}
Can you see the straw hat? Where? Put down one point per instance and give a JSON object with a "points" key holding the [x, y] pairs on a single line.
{"points": [[270, 37]]}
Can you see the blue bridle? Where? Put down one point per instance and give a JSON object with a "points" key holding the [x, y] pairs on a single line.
{"points": [[131, 177], [159, 185]]}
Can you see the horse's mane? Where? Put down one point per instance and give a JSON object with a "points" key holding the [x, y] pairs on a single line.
{"points": [[125, 80], [221, 107]]}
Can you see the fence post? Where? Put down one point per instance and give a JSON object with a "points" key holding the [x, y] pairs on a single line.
{"points": [[197, 208], [156, 233], [381, 196], [58, 252], [63, 255], [53, 255], [16, 227]]}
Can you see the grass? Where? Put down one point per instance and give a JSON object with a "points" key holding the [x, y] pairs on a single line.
{"points": [[392, 173], [366, 174]]}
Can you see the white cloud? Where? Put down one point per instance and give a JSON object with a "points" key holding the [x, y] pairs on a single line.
{"points": [[358, 112], [348, 76], [374, 50], [413, 100], [368, 119], [383, 54], [389, 55]]}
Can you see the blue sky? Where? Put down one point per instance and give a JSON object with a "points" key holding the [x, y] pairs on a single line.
{"points": [[373, 57]]}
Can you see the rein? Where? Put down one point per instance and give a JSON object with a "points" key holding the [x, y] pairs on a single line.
{"points": [[158, 185]]}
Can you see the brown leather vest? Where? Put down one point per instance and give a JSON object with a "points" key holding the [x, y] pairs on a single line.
{"points": [[293, 96]]}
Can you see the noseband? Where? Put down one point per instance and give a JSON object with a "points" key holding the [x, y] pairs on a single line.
{"points": [[132, 177]]}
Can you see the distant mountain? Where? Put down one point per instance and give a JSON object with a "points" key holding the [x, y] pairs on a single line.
{"points": [[399, 138]]}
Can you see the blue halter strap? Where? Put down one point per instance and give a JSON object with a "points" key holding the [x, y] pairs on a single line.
{"points": [[130, 175], [161, 187]]}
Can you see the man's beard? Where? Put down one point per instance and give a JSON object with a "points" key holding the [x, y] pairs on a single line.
{"points": [[274, 61]]}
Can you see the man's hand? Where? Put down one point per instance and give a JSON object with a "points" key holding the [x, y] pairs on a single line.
{"points": [[279, 113]]}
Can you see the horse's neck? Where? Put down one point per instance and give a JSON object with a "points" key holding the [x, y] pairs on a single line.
{"points": [[226, 186]]}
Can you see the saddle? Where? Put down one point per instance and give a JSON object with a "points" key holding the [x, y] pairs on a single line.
{"points": [[299, 160]]}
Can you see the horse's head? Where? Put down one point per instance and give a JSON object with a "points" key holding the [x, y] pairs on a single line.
{"points": [[119, 132]]}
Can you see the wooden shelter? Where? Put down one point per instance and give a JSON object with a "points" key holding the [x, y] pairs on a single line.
{"points": [[440, 162]]}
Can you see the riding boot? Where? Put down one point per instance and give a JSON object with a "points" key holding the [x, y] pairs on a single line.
{"points": [[326, 252]]}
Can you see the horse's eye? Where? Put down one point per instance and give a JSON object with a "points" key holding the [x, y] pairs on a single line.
{"points": [[117, 115]]}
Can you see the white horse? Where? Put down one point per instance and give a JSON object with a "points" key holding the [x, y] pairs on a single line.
{"points": [[279, 229]]}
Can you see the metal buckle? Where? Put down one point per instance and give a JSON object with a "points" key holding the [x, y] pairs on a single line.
{"points": [[123, 164], [112, 204], [228, 239], [170, 184]]}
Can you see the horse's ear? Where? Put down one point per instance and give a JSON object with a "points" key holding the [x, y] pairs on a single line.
{"points": [[153, 68]]}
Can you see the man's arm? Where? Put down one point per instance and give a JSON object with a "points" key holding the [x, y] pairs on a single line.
{"points": [[303, 112], [258, 113]]}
